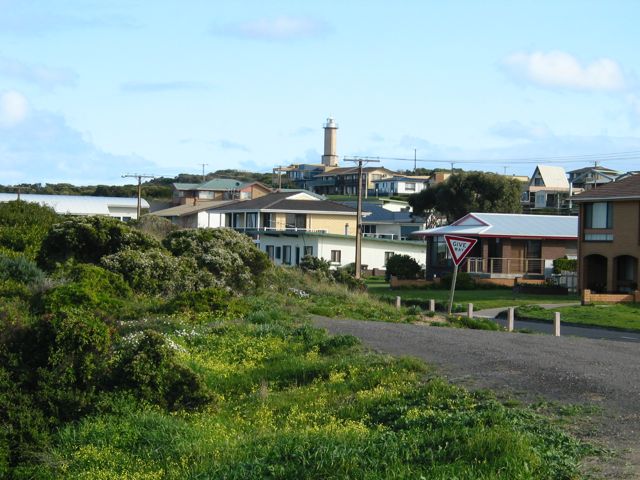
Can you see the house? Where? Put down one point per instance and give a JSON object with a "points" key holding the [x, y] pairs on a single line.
{"points": [[401, 185], [217, 189], [121, 208], [384, 221], [547, 189], [591, 177], [288, 211], [509, 245], [344, 180], [609, 238], [288, 248], [200, 215], [303, 175]]}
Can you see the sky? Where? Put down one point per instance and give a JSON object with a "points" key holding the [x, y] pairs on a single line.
{"points": [[92, 90]]}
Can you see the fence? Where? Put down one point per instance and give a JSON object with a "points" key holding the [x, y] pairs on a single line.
{"points": [[498, 265]]}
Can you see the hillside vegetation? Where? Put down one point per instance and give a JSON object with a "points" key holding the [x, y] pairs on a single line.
{"points": [[127, 356]]}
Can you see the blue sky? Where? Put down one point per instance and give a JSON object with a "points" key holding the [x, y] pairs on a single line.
{"points": [[90, 90]]}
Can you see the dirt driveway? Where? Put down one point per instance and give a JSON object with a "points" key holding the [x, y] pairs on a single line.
{"points": [[530, 367]]}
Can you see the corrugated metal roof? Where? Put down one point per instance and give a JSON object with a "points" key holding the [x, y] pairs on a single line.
{"points": [[182, 210], [76, 204], [509, 225]]}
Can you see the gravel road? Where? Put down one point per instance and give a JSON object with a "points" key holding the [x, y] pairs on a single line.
{"points": [[532, 367]]}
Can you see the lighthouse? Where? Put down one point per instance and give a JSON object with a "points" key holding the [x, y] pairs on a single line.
{"points": [[330, 157]]}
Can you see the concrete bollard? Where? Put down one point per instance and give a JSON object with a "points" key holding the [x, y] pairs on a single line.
{"points": [[510, 319], [470, 310], [556, 324], [398, 302], [432, 305]]}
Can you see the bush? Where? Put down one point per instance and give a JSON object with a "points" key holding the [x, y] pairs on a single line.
{"points": [[154, 226], [343, 276], [564, 264], [464, 281], [209, 300], [309, 263], [88, 239], [148, 366], [89, 287], [402, 266], [20, 269], [157, 272], [231, 256], [23, 226]]}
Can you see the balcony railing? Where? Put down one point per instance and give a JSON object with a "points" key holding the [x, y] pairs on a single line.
{"points": [[507, 266], [280, 229], [387, 236]]}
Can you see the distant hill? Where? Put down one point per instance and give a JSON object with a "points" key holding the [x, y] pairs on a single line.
{"points": [[156, 188]]}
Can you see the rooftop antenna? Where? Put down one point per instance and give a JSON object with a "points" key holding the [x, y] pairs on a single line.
{"points": [[139, 176]]}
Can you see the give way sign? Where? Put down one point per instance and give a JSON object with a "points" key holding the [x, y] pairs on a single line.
{"points": [[459, 247]]}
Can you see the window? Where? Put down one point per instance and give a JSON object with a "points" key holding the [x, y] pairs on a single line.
{"points": [[286, 254], [252, 220], [268, 220], [336, 256], [387, 256], [598, 215], [278, 253], [368, 228], [270, 251], [296, 221], [308, 250], [410, 187]]}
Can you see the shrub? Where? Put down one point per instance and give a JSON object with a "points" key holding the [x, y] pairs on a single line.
{"points": [[342, 275], [403, 267], [231, 256], [23, 225], [560, 264], [87, 286], [157, 272], [154, 226], [309, 263], [88, 239], [213, 300], [464, 281], [20, 269], [148, 366]]}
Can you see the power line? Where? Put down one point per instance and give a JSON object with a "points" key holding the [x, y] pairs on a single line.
{"points": [[139, 176]]}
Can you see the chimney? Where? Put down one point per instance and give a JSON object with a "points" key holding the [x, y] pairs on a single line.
{"points": [[330, 157]]}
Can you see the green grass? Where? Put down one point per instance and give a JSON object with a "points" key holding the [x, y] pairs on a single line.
{"points": [[481, 298], [291, 402], [622, 315]]}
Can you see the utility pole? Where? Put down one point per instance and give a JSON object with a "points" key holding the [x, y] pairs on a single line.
{"points": [[204, 179], [452, 163], [139, 176], [360, 161], [415, 160]]}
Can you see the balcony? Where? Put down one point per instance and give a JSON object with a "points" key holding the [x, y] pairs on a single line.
{"points": [[279, 229]]}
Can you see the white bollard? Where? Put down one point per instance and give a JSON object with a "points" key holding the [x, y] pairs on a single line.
{"points": [[470, 310], [398, 302], [510, 318], [432, 305], [556, 324]]}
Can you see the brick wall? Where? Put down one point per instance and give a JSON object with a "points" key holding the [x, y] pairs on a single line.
{"points": [[588, 297]]}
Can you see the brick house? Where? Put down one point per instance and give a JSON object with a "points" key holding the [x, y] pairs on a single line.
{"points": [[509, 245], [609, 237]]}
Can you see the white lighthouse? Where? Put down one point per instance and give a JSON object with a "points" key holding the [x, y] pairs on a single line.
{"points": [[330, 157]]}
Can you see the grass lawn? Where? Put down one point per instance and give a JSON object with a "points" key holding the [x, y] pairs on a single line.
{"points": [[481, 298], [623, 315]]}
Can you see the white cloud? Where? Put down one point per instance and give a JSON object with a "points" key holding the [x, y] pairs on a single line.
{"points": [[561, 70], [41, 75], [278, 28], [14, 108]]}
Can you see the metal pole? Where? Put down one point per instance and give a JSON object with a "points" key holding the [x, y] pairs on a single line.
{"points": [[359, 224], [453, 288]]}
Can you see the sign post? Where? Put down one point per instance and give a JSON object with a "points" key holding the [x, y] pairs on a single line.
{"points": [[459, 248]]}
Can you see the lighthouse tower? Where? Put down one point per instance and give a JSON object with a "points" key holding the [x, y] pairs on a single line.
{"points": [[330, 157]]}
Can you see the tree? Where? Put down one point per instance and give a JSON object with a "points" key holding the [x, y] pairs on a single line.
{"points": [[468, 192], [402, 266]]}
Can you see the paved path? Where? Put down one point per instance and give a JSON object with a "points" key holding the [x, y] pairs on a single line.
{"points": [[568, 369], [541, 326]]}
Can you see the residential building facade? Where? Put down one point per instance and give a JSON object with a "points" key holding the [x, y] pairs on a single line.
{"points": [[217, 189], [609, 237], [548, 189]]}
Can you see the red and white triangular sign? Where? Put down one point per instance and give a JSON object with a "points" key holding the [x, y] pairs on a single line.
{"points": [[459, 247]]}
